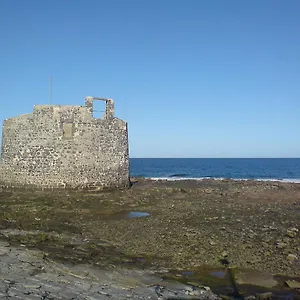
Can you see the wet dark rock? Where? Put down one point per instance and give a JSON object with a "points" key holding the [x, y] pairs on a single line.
{"points": [[264, 296]]}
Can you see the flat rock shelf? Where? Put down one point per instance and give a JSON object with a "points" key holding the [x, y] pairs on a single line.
{"points": [[195, 235]]}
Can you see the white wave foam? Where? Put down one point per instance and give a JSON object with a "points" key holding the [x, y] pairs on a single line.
{"points": [[295, 180], [182, 178], [288, 180]]}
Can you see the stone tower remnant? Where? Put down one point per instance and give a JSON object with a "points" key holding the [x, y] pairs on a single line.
{"points": [[65, 146]]}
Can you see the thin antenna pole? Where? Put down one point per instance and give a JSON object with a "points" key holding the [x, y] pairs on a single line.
{"points": [[50, 90]]}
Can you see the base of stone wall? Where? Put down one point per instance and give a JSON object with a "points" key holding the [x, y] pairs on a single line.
{"points": [[19, 180], [8, 186]]}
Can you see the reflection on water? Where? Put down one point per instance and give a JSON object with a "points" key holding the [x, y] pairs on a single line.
{"points": [[137, 214], [187, 273], [121, 215], [218, 274]]}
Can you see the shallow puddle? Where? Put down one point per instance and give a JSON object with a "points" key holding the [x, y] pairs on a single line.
{"points": [[218, 274], [188, 273], [127, 215], [137, 214], [241, 282]]}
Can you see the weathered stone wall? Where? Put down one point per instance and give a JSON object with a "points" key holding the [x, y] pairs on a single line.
{"points": [[64, 146]]}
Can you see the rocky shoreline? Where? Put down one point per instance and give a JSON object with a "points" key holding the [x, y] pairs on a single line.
{"points": [[29, 274], [163, 229]]}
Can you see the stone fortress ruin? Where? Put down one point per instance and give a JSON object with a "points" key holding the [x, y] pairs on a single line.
{"points": [[65, 146]]}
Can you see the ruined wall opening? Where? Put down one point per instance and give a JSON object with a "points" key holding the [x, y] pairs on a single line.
{"points": [[68, 131], [99, 108]]}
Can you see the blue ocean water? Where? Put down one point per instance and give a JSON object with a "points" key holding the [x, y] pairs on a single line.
{"points": [[283, 169]]}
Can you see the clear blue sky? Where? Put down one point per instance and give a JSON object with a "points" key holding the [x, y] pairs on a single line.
{"points": [[193, 78]]}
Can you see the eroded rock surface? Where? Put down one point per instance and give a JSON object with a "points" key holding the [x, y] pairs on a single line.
{"points": [[29, 274]]}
